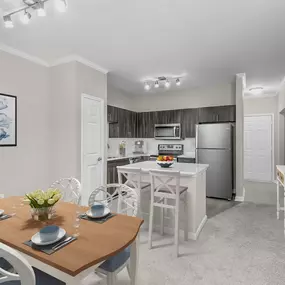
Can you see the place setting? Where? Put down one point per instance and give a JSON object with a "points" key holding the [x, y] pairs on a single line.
{"points": [[50, 239], [98, 213], [4, 216]]}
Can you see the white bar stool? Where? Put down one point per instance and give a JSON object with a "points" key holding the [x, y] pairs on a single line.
{"points": [[162, 190], [132, 177]]}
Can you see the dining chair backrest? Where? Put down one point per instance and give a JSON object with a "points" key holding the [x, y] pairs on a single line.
{"points": [[132, 176], [125, 196], [70, 188], [165, 183], [25, 273]]}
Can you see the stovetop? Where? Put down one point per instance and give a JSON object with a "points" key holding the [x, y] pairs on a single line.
{"points": [[170, 149]]}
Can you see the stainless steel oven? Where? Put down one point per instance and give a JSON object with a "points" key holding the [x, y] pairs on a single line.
{"points": [[167, 132]]}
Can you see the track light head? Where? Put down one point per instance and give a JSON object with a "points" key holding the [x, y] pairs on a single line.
{"points": [[41, 9], [8, 23], [178, 82], [146, 86], [167, 83], [26, 18], [156, 84], [61, 5]]}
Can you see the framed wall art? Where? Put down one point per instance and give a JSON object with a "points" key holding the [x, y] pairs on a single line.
{"points": [[8, 120]]}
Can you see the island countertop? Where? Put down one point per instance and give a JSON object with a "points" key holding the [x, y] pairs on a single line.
{"points": [[186, 169]]}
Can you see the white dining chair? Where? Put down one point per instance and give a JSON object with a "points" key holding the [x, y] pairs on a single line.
{"points": [[70, 188], [127, 203], [2, 196], [165, 187], [132, 177], [25, 274]]}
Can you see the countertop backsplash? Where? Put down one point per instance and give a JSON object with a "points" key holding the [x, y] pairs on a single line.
{"points": [[152, 145]]}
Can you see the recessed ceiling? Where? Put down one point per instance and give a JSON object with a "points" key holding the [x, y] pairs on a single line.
{"points": [[207, 41]]}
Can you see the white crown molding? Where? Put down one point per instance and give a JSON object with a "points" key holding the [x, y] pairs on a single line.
{"points": [[80, 59], [62, 60], [24, 55]]}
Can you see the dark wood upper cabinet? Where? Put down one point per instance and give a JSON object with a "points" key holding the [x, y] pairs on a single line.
{"points": [[112, 114], [188, 123], [217, 114], [128, 124]]}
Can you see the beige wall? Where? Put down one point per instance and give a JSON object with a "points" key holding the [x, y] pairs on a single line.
{"points": [[121, 99], [200, 97], [69, 81], [25, 168]]}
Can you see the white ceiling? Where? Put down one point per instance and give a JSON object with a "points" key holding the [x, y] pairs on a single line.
{"points": [[207, 41]]}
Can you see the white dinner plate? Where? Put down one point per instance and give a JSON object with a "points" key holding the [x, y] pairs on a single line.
{"points": [[1, 212], [36, 239], [106, 212]]}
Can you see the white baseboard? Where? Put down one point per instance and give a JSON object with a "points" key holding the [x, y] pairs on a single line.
{"points": [[239, 199]]}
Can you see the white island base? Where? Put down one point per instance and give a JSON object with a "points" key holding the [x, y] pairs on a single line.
{"points": [[194, 177]]}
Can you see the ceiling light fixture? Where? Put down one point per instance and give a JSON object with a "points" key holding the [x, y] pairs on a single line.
{"points": [[8, 22], [146, 86], [61, 5], [26, 18], [162, 81], [41, 9], [32, 5], [256, 90], [167, 83]]}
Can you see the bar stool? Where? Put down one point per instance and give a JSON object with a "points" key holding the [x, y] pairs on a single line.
{"points": [[132, 177], [162, 191]]}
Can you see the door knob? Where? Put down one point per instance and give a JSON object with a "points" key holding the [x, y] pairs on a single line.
{"points": [[99, 158]]}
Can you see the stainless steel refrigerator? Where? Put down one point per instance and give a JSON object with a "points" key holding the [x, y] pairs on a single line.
{"points": [[214, 146]]}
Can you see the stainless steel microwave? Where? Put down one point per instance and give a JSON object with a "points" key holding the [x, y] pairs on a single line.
{"points": [[167, 132]]}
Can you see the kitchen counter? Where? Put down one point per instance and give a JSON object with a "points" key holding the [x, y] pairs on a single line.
{"points": [[128, 156], [193, 176], [186, 169]]}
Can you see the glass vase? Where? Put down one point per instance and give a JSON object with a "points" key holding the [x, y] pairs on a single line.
{"points": [[42, 214]]}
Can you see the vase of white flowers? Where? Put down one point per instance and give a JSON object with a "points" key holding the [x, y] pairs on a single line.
{"points": [[42, 203]]}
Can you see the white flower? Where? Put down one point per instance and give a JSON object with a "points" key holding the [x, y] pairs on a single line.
{"points": [[40, 201], [51, 201]]}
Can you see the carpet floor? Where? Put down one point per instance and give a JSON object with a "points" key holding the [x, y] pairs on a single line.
{"points": [[241, 245]]}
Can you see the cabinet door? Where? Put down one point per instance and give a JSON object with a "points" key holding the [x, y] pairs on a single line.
{"points": [[217, 114], [139, 125], [112, 114], [189, 121]]}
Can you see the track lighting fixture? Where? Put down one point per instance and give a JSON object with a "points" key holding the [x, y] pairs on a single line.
{"points": [[8, 22], [29, 6], [162, 81]]}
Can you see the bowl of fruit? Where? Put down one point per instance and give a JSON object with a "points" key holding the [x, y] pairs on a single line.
{"points": [[165, 161]]}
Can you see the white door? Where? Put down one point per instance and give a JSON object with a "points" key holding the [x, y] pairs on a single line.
{"points": [[258, 142], [92, 145]]}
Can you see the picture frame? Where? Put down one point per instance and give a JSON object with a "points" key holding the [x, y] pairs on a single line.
{"points": [[8, 120]]}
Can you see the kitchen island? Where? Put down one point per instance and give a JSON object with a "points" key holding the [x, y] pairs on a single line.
{"points": [[194, 177]]}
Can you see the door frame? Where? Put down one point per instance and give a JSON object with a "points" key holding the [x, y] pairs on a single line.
{"points": [[102, 103], [272, 145]]}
